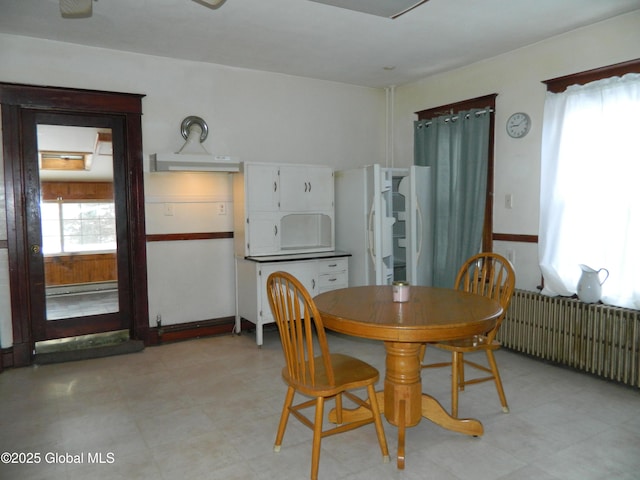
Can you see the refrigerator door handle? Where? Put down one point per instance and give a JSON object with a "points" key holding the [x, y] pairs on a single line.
{"points": [[420, 232], [371, 233]]}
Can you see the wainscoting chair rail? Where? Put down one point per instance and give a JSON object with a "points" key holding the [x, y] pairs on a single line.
{"points": [[598, 339]]}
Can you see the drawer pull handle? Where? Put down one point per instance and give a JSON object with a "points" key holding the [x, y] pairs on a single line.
{"points": [[333, 265]]}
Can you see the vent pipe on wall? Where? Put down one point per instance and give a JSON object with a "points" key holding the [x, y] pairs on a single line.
{"points": [[390, 125]]}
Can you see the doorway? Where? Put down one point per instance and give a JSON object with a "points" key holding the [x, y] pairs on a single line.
{"points": [[74, 224], [100, 221]]}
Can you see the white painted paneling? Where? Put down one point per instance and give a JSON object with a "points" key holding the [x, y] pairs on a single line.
{"points": [[188, 202], [191, 280]]}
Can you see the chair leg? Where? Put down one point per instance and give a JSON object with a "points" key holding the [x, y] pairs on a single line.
{"points": [[284, 417], [496, 376], [339, 420], [377, 421], [317, 438], [455, 382], [461, 381], [422, 351]]}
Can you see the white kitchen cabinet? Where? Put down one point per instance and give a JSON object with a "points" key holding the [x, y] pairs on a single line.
{"points": [[262, 188], [317, 274], [283, 209], [306, 189], [263, 236]]}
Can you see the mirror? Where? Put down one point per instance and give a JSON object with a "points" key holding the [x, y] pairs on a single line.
{"points": [[78, 221]]}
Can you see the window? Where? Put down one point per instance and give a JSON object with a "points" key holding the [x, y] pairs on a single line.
{"points": [[78, 227], [590, 201]]}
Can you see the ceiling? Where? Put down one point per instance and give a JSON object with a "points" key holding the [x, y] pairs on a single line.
{"points": [[311, 39], [64, 138]]}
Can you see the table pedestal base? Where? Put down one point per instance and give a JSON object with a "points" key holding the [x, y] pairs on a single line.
{"points": [[403, 402]]}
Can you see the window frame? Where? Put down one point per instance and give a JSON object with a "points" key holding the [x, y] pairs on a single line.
{"points": [[61, 230], [560, 84]]}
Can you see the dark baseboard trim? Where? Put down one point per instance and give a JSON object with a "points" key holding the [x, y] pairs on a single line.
{"points": [[6, 358], [153, 336], [187, 331]]}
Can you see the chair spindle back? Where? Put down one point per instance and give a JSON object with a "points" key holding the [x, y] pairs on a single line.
{"points": [[490, 275], [306, 355]]}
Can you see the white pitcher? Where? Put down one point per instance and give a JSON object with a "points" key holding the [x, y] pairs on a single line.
{"points": [[589, 285]]}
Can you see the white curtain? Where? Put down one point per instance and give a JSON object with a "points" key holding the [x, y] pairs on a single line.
{"points": [[590, 188]]}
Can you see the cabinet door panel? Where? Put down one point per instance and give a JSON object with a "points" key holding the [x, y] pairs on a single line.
{"points": [[304, 271], [306, 188], [263, 188], [294, 186], [320, 189], [263, 235]]}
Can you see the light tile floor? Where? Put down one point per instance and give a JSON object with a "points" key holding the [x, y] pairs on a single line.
{"points": [[209, 409]]}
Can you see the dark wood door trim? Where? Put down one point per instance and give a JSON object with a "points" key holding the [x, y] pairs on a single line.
{"points": [[15, 100]]}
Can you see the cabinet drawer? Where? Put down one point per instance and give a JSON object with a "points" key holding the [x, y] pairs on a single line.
{"points": [[331, 265], [331, 281]]}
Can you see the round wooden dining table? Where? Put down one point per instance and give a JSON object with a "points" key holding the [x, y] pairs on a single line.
{"points": [[429, 315]]}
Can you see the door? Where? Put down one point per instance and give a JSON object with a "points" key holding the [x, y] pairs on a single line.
{"points": [[380, 225], [262, 235], [363, 225], [304, 271], [262, 188], [305, 188], [22, 106], [419, 242], [76, 225]]}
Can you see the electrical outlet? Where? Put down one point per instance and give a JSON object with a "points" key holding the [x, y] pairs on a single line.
{"points": [[511, 256], [508, 201], [222, 208], [168, 209]]}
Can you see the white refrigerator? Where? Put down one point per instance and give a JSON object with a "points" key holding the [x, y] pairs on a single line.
{"points": [[384, 220]]}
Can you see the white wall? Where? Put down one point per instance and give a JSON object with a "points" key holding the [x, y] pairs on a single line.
{"points": [[252, 115], [516, 77], [260, 116]]}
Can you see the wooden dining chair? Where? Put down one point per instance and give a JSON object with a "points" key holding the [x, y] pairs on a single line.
{"points": [[490, 275], [312, 371]]}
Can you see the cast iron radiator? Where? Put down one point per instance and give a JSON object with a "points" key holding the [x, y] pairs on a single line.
{"points": [[594, 338]]}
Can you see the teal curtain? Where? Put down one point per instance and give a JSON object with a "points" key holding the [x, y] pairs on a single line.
{"points": [[456, 147]]}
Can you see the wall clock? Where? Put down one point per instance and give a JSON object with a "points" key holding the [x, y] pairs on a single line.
{"points": [[518, 125]]}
